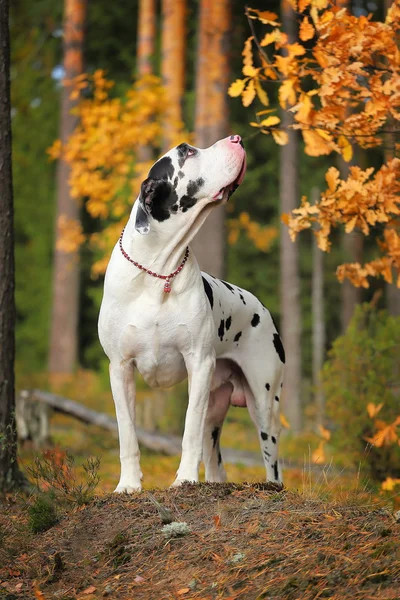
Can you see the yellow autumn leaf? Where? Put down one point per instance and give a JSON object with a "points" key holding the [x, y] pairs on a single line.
{"points": [[303, 5], [306, 31], [280, 137], [325, 433], [270, 121], [250, 71], [247, 53], [318, 456], [284, 422], [54, 151], [373, 409], [389, 484], [351, 224], [270, 37], [332, 178], [237, 87], [265, 16], [249, 94], [287, 93], [346, 148], [261, 93]]}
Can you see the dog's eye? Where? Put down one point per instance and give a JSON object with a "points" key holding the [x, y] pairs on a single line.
{"points": [[191, 152]]}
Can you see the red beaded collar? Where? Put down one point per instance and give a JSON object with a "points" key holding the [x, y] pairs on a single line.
{"points": [[167, 285]]}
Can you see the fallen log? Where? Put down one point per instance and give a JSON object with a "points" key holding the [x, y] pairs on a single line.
{"points": [[158, 442]]}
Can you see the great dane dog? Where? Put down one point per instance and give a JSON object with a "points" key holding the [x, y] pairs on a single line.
{"points": [[162, 316]]}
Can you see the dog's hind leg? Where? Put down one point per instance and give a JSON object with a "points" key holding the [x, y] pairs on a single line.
{"points": [[218, 405], [124, 392], [263, 389]]}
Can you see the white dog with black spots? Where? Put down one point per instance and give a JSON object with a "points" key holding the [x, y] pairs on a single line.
{"points": [[163, 317]]}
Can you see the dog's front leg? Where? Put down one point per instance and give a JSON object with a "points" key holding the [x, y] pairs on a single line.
{"points": [[124, 392], [200, 372]]}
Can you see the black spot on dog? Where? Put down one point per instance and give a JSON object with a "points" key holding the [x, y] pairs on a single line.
{"points": [[237, 336], [158, 196], [282, 384], [228, 323], [175, 182], [276, 473], [279, 347], [277, 398], [174, 208], [182, 150], [273, 438], [264, 436], [219, 458], [220, 303], [214, 436], [242, 299], [268, 386], [267, 454], [162, 169], [221, 330], [181, 174], [228, 285], [194, 186], [187, 202], [255, 320], [208, 291]]}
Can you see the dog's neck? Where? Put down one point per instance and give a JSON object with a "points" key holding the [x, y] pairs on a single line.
{"points": [[163, 248]]}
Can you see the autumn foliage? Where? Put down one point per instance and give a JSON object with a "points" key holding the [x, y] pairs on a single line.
{"points": [[102, 153], [340, 82]]}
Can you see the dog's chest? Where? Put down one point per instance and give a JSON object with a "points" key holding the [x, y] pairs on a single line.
{"points": [[156, 340]]}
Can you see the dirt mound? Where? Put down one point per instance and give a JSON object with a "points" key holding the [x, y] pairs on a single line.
{"points": [[240, 541]]}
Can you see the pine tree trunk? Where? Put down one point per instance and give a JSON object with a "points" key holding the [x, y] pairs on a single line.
{"points": [[289, 260], [318, 320], [146, 37], [64, 318], [212, 117], [392, 291], [353, 247], [10, 476], [173, 66], [145, 54]]}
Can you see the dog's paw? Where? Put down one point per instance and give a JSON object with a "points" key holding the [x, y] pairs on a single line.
{"points": [[179, 482], [127, 489]]}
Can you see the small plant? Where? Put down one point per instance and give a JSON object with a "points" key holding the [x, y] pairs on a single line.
{"points": [[55, 472], [363, 370], [43, 513]]}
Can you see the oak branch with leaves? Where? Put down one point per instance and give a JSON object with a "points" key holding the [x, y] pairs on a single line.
{"points": [[341, 84]]}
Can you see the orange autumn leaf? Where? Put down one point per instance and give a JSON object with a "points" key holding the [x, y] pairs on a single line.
{"points": [[373, 409]]}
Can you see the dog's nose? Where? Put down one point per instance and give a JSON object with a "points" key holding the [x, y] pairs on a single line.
{"points": [[235, 139]]}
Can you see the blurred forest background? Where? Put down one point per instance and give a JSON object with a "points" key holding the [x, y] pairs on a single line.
{"points": [[64, 233]]}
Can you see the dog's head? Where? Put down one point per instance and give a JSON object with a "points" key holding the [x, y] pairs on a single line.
{"points": [[187, 176]]}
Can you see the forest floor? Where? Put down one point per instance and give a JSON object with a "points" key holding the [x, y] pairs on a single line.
{"points": [[243, 541]]}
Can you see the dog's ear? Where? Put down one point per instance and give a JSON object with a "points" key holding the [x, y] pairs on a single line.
{"points": [[142, 224], [154, 195]]}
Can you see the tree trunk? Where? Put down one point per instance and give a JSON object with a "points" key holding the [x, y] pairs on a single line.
{"points": [[10, 476], [173, 67], [212, 117], [64, 318], [318, 319], [392, 291], [145, 54], [146, 37], [289, 260], [353, 246]]}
